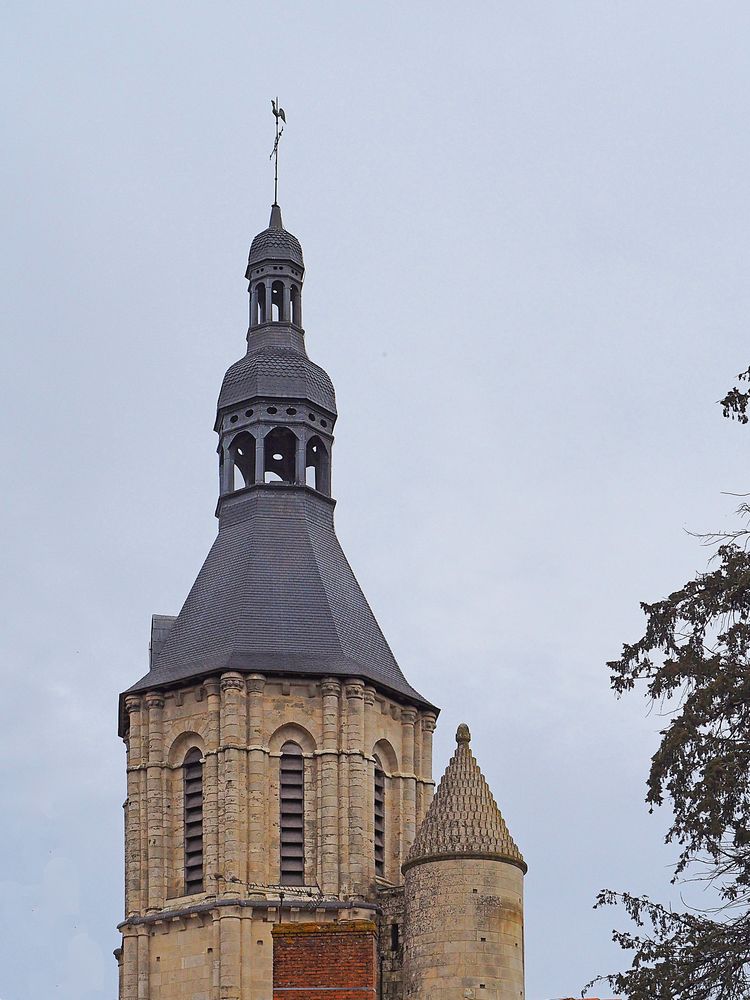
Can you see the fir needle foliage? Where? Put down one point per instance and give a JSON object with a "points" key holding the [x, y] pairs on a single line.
{"points": [[693, 662]]}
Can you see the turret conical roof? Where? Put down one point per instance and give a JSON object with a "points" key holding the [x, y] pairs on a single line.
{"points": [[276, 243], [463, 818]]}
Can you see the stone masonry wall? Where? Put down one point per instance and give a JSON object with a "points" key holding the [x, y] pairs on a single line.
{"points": [[222, 954], [463, 930], [239, 723], [391, 941], [338, 957]]}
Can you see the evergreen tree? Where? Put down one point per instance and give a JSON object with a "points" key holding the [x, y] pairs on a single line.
{"points": [[695, 656]]}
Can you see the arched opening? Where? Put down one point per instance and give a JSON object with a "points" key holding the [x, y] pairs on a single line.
{"points": [[279, 456], [292, 815], [260, 303], [317, 466], [379, 818], [277, 301], [242, 452], [192, 777], [296, 316]]}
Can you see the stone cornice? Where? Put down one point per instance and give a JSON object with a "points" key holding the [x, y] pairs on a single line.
{"points": [[505, 859], [290, 902]]}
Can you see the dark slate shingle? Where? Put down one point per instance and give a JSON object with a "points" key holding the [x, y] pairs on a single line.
{"points": [[276, 595]]}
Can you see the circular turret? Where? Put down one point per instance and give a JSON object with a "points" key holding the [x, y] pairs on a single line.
{"points": [[463, 928]]}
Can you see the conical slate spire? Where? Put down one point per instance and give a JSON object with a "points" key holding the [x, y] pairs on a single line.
{"points": [[463, 818]]}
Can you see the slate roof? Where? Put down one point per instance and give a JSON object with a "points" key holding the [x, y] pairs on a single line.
{"points": [[275, 243], [273, 370], [463, 817], [276, 595]]}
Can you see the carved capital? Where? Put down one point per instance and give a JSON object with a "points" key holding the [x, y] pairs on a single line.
{"points": [[211, 686], [355, 689], [369, 696], [255, 683], [408, 716], [154, 700], [429, 722], [330, 687], [132, 704], [232, 682]]}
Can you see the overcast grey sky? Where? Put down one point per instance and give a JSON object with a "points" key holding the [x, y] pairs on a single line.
{"points": [[526, 232]]}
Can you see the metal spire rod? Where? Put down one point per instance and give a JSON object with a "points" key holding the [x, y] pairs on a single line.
{"points": [[278, 113]]}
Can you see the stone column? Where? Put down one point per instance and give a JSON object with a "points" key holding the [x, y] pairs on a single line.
{"points": [[343, 771], [357, 790], [129, 974], [257, 784], [418, 784], [231, 954], [232, 722], [155, 801], [370, 707], [144, 991], [211, 862], [408, 718], [429, 721], [269, 300], [286, 310], [133, 859], [329, 787]]}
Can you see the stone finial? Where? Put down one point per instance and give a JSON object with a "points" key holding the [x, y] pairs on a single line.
{"points": [[463, 735]]}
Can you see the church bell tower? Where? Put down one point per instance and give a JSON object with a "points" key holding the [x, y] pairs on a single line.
{"points": [[279, 764]]}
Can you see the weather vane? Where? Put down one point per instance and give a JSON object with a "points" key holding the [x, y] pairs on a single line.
{"points": [[278, 113]]}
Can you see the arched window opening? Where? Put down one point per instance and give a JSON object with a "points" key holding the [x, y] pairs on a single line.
{"points": [[317, 472], [296, 318], [292, 815], [260, 302], [192, 773], [379, 798], [280, 456], [277, 301], [242, 451]]}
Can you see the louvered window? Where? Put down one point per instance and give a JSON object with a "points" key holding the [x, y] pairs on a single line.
{"points": [[193, 784], [292, 815], [379, 819]]}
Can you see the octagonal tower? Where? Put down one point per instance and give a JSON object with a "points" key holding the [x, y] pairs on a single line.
{"points": [[279, 763]]}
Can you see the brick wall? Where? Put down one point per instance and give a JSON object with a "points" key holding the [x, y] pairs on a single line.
{"points": [[314, 961]]}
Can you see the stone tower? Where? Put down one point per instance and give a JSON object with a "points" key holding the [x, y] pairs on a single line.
{"points": [[279, 764], [464, 894]]}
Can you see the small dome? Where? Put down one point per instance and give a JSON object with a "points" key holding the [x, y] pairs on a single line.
{"points": [[275, 243], [277, 371]]}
